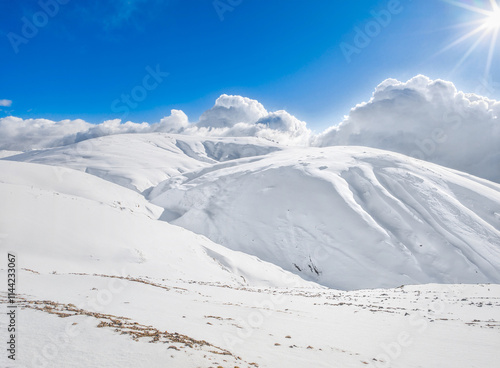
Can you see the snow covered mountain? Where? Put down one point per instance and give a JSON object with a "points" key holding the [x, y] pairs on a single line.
{"points": [[140, 161], [114, 268], [62, 220], [346, 217]]}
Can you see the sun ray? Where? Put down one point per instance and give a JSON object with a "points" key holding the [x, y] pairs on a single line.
{"points": [[491, 51], [477, 22], [488, 25], [464, 37], [469, 7], [469, 51]]}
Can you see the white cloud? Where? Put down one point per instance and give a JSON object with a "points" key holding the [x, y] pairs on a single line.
{"points": [[236, 116], [231, 116], [231, 110], [426, 119], [423, 118], [5, 103], [17, 134], [110, 127], [175, 123]]}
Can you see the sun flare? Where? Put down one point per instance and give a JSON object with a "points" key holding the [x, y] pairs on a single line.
{"points": [[488, 26], [492, 21]]}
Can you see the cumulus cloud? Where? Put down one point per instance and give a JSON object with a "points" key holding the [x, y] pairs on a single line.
{"points": [[110, 127], [429, 120], [236, 116], [5, 103], [17, 134], [231, 116], [175, 123], [231, 110]]}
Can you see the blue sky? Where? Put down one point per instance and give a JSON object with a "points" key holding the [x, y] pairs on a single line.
{"points": [[81, 57]]}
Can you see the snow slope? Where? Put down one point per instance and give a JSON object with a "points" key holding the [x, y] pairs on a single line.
{"points": [[133, 323], [63, 220], [140, 161], [102, 283], [346, 217]]}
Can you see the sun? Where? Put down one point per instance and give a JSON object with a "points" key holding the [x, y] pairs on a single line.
{"points": [[492, 21], [487, 26]]}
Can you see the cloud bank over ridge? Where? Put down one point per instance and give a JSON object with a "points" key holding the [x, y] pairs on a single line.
{"points": [[429, 120], [231, 116], [423, 118]]}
